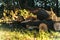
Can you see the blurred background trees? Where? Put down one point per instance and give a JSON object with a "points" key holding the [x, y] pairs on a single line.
{"points": [[30, 4], [47, 4]]}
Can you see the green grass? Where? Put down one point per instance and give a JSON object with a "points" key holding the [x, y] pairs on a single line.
{"points": [[6, 34]]}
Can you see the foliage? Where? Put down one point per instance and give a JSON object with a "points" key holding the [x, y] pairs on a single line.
{"points": [[10, 15], [26, 13]]}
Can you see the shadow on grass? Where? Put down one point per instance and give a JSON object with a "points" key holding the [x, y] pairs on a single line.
{"points": [[8, 27], [5, 26]]}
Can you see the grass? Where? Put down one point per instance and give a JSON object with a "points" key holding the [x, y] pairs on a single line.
{"points": [[20, 35], [7, 34]]}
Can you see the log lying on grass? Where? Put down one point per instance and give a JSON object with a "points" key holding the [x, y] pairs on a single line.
{"points": [[50, 18]]}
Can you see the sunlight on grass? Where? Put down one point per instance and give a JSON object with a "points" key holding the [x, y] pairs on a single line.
{"points": [[8, 35]]}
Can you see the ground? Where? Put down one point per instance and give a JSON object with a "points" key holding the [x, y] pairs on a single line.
{"points": [[7, 34]]}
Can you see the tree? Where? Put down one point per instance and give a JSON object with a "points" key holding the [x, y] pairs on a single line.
{"points": [[30, 4]]}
